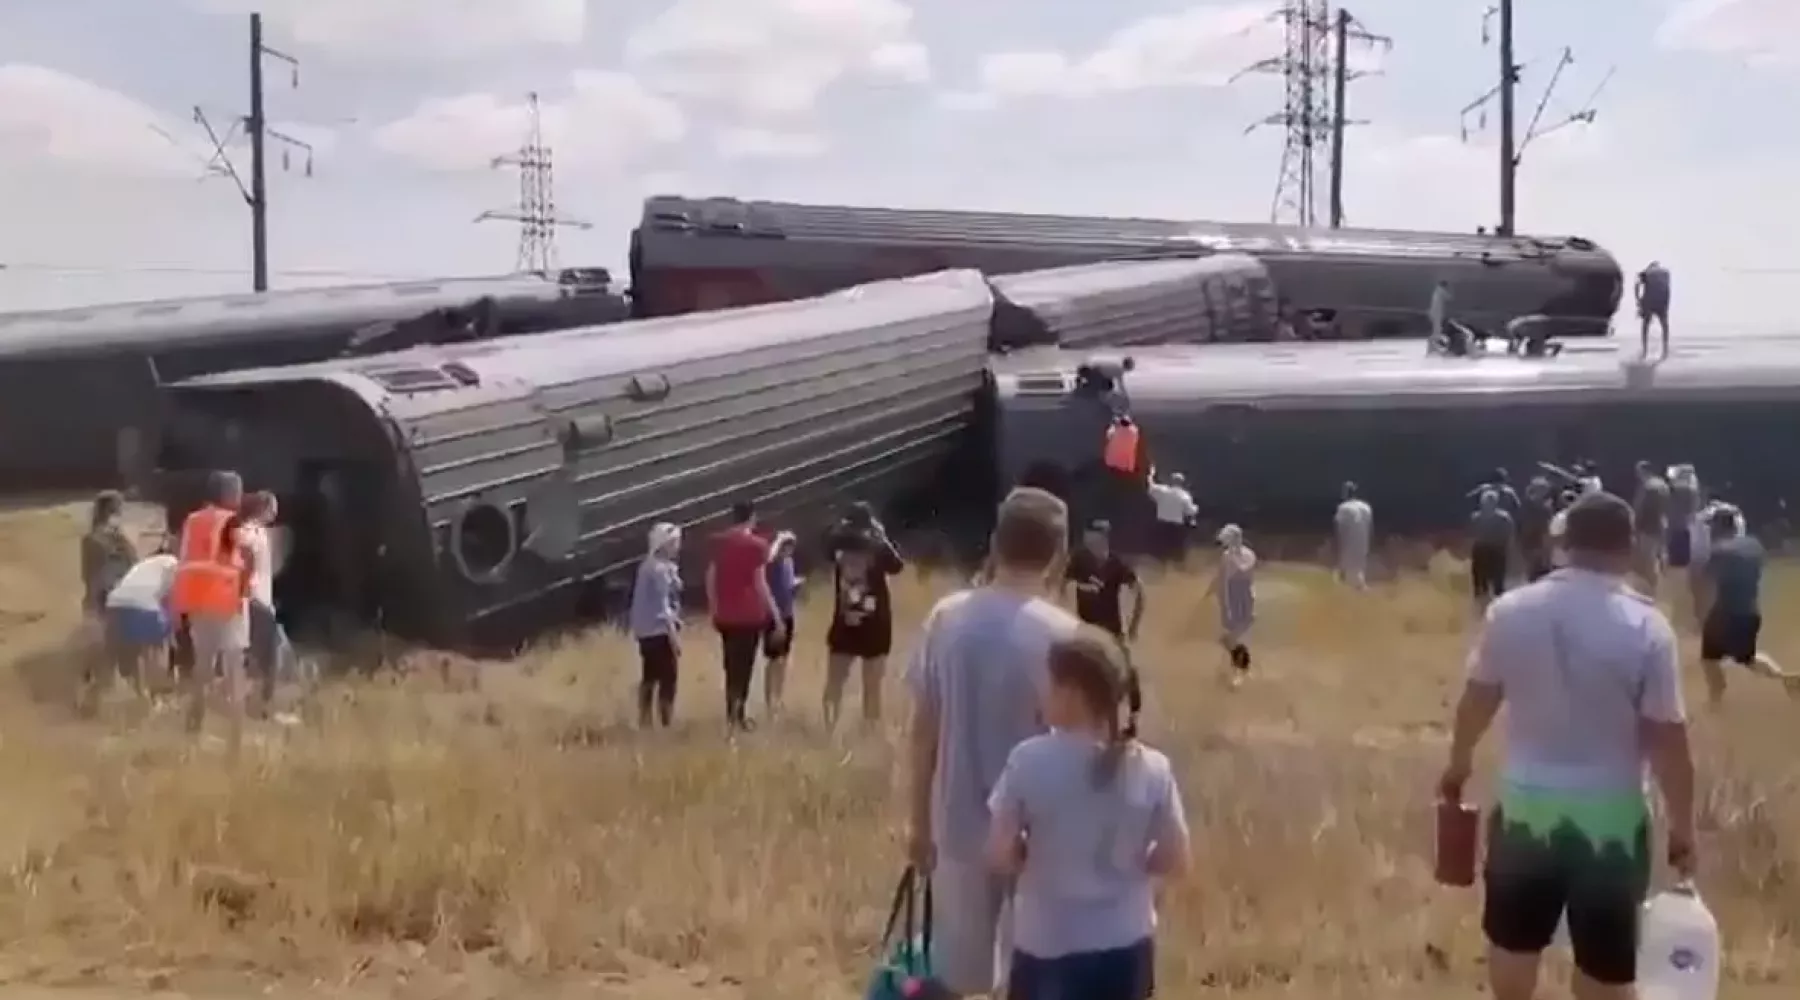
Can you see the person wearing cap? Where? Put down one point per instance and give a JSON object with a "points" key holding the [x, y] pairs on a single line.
{"points": [[1588, 670], [1495, 532], [1731, 605], [1175, 512], [656, 625], [1233, 584], [1354, 524], [1101, 579]]}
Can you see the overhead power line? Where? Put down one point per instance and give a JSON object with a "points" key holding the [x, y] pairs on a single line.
{"points": [[1505, 94], [83, 270], [255, 127]]}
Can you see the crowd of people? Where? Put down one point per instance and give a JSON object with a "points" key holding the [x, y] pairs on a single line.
{"points": [[196, 614], [1040, 815]]}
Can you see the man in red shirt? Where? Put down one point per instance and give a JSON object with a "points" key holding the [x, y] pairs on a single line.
{"points": [[743, 608]]}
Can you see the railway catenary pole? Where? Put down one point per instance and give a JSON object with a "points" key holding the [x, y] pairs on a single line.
{"points": [[259, 179], [1340, 86], [1509, 158], [255, 126]]}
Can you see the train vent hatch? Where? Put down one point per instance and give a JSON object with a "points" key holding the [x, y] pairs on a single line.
{"points": [[407, 381], [648, 388], [1051, 384]]}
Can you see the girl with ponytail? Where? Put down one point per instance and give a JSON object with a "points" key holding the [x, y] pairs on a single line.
{"points": [[1086, 818]]}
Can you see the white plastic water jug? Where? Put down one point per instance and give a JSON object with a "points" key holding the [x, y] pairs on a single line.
{"points": [[1678, 952]]}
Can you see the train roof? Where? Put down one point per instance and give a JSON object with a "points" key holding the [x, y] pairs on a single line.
{"points": [[252, 314], [676, 215], [1401, 374], [422, 379], [1031, 288]]}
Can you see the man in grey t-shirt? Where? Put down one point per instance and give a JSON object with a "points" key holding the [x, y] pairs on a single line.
{"points": [[977, 677], [1588, 671]]}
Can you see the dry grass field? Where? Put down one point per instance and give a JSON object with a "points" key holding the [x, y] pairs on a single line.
{"points": [[500, 829]]}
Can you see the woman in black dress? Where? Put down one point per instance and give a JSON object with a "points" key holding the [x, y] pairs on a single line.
{"points": [[862, 618]]}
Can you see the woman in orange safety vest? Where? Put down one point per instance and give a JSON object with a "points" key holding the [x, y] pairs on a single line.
{"points": [[210, 589], [1121, 450]]}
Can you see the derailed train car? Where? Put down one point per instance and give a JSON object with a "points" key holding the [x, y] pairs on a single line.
{"points": [[1268, 434], [80, 388], [1223, 298], [476, 494], [695, 254]]}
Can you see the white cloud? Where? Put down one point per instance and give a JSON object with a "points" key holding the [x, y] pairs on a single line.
{"points": [[1202, 46], [51, 120], [606, 120], [414, 29], [48, 115], [1764, 31], [773, 59], [769, 144]]}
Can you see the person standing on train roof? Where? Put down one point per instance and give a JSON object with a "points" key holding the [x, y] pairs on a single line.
{"points": [[1653, 304], [1441, 298], [1175, 514], [1354, 524]]}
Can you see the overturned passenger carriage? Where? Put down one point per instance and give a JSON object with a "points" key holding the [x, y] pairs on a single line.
{"points": [[80, 389], [1223, 298], [476, 494], [691, 254], [1267, 434]]}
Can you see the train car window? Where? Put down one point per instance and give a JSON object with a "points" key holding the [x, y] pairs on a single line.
{"points": [[484, 538]]}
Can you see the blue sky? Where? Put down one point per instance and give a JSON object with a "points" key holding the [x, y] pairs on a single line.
{"points": [[1003, 104]]}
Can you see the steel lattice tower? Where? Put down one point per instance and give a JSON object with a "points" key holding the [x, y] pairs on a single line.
{"points": [[536, 211], [1307, 65]]}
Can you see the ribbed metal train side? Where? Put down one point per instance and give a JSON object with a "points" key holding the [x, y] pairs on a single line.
{"points": [[116, 358], [540, 463], [1218, 299], [1267, 436], [697, 254]]}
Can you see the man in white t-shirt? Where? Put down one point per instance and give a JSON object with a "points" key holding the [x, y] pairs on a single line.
{"points": [[1355, 524], [1175, 513], [269, 648], [138, 625]]}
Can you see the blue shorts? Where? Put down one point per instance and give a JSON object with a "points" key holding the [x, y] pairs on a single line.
{"points": [[1116, 974], [137, 626]]}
